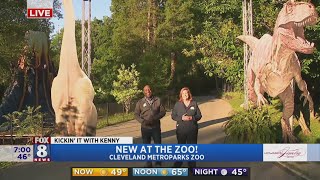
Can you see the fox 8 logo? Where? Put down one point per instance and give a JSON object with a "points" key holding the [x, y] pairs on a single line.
{"points": [[41, 152]]}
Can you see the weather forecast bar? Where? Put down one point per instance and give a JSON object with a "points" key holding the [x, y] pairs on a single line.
{"points": [[226, 173]]}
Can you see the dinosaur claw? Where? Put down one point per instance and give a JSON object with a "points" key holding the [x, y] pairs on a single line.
{"points": [[305, 101], [301, 97]]}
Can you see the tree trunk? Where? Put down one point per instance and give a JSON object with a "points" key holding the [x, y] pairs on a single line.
{"points": [[152, 21], [173, 67], [149, 21], [229, 87], [217, 83], [127, 106]]}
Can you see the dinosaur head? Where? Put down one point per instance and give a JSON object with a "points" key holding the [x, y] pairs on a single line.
{"points": [[289, 28]]}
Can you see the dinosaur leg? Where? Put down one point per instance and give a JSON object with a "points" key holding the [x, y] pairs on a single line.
{"points": [[250, 86], [87, 120], [57, 99], [291, 122], [92, 125], [303, 87], [86, 123], [287, 99], [71, 123], [303, 125], [284, 131]]}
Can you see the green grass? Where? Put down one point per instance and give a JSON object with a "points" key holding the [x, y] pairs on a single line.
{"points": [[4, 165], [315, 132], [235, 99], [114, 119], [275, 109]]}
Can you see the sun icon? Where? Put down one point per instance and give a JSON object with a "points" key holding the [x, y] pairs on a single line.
{"points": [[103, 172], [164, 172]]}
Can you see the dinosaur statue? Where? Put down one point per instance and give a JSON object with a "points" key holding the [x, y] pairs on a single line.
{"points": [[274, 64], [72, 91], [32, 77]]}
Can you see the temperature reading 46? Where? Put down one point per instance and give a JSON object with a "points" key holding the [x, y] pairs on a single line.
{"points": [[23, 156]]}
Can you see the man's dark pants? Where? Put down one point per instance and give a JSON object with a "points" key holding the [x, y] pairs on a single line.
{"points": [[155, 134]]}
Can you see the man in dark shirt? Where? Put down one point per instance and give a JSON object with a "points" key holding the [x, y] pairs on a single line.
{"points": [[148, 112]]}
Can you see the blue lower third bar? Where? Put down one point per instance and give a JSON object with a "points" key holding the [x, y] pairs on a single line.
{"points": [[221, 171], [159, 171], [313, 152]]}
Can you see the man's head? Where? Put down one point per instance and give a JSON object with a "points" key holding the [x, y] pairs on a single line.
{"points": [[147, 91]]}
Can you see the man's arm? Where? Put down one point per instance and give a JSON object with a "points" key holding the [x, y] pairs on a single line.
{"points": [[162, 112], [137, 112]]}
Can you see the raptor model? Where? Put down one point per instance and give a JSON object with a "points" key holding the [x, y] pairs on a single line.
{"points": [[72, 91], [274, 63]]}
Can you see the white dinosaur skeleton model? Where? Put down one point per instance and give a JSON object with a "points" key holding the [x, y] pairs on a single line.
{"points": [[72, 91]]}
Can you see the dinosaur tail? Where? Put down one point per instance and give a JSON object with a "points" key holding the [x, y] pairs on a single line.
{"points": [[250, 40]]}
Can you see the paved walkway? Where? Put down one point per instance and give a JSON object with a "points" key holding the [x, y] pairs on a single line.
{"points": [[211, 109], [306, 170]]}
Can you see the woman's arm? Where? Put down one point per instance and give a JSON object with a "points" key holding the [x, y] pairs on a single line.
{"points": [[174, 114], [198, 114]]}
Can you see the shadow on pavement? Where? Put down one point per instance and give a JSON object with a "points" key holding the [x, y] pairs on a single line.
{"points": [[173, 132]]}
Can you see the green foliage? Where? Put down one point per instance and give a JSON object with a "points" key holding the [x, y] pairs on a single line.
{"points": [[29, 121], [4, 165], [55, 48], [215, 47], [154, 71], [105, 65], [125, 88], [250, 126], [115, 119]]}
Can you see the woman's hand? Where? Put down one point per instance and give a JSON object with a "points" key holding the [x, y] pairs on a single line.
{"points": [[186, 118]]}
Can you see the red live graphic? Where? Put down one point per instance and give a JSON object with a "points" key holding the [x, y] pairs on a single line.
{"points": [[40, 13]]}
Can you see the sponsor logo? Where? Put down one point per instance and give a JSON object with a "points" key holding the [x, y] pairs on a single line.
{"points": [[284, 152]]}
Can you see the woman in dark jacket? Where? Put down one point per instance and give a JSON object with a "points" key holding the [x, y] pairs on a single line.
{"points": [[187, 114]]}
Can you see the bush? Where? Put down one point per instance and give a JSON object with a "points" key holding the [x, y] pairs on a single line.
{"points": [[250, 126], [29, 121]]}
